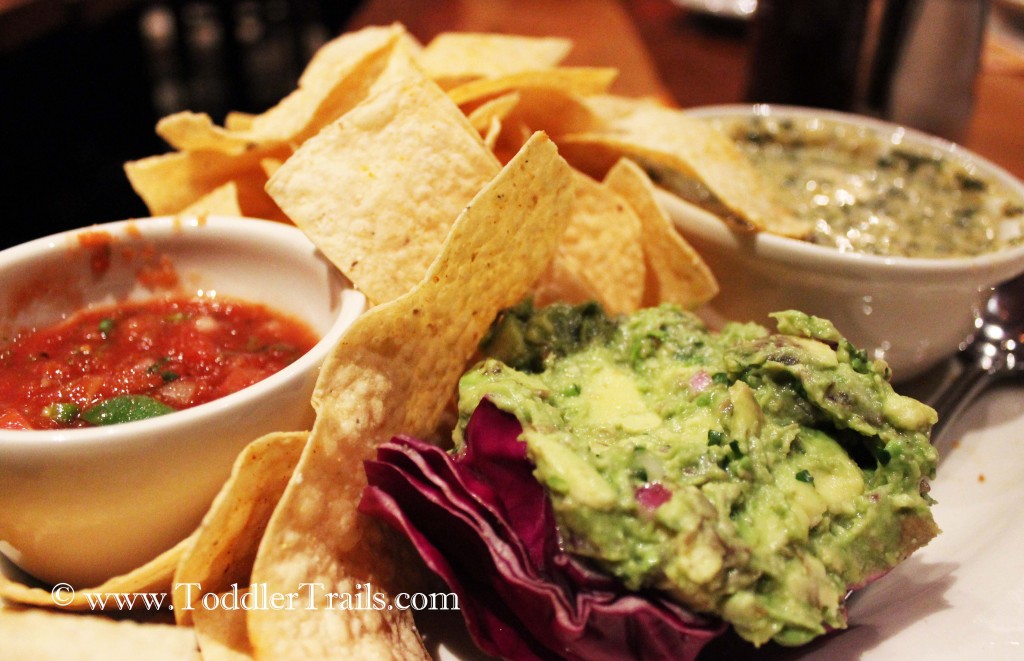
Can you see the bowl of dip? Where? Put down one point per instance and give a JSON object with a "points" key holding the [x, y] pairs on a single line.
{"points": [[908, 232], [137, 358]]}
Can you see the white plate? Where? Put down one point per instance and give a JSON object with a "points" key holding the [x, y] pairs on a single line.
{"points": [[962, 596]]}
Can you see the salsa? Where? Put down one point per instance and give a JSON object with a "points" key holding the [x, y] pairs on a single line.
{"points": [[135, 360], [871, 194]]}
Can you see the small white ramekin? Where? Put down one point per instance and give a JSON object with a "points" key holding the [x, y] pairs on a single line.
{"points": [[82, 505]]}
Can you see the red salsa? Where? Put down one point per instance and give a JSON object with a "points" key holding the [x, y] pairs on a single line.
{"points": [[135, 360]]}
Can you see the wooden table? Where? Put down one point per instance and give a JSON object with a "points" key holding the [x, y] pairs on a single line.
{"points": [[665, 51]]}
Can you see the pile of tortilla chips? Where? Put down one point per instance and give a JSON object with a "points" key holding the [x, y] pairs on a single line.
{"points": [[436, 179]]}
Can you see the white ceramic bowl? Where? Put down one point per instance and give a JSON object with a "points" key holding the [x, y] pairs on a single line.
{"points": [[81, 505], [912, 312]]}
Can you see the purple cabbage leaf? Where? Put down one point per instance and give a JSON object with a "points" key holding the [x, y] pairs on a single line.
{"points": [[483, 523]]}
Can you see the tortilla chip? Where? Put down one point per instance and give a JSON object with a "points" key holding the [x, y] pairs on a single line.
{"points": [[270, 166], [508, 139], [378, 190], [492, 134], [221, 552], [611, 108], [340, 75], [393, 372], [675, 272], [483, 116], [555, 111], [222, 634], [337, 78], [190, 131], [571, 80], [154, 576], [171, 182], [601, 246], [453, 58], [561, 283], [677, 151], [238, 121], [222, 200]]}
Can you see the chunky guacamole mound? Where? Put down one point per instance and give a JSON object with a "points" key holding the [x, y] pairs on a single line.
{"points": [[752, 475]]}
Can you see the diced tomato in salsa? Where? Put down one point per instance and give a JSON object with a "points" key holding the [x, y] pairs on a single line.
{"points": [[180, 352], [13, 420]]}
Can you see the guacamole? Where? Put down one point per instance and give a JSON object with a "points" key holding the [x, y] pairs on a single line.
{"points": [[750, 475]]}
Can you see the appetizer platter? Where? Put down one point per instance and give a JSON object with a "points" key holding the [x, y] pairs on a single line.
{"points": [[538, 415]]}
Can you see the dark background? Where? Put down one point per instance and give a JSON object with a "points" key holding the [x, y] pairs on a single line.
{"points": [[82, 85]]}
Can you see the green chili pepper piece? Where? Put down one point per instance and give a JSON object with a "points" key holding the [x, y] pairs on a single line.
{"points": [[125, 408]]}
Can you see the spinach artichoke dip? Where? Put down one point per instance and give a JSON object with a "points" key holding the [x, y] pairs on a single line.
{"points": [[869, 193], [751, 475]]}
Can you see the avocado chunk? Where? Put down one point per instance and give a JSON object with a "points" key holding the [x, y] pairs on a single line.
{"points": [[751, 475]]}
